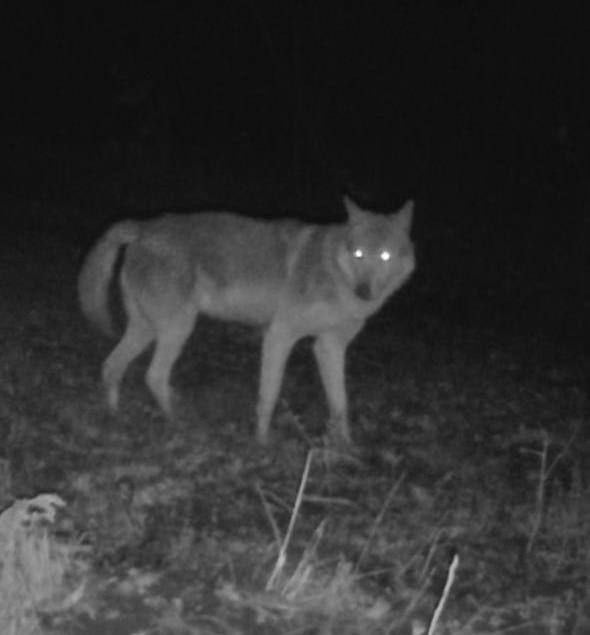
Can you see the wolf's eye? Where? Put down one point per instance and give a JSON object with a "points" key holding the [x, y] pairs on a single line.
{"points": [[358, 253], [385, 255]]}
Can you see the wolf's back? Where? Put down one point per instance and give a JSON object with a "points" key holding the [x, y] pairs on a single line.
{"points": [[97, 271]]}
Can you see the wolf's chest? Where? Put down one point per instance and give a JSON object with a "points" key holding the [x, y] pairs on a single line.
{"points": [[320, 315]]}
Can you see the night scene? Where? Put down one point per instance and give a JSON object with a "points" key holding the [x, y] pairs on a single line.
{"points": [[294, 315]]}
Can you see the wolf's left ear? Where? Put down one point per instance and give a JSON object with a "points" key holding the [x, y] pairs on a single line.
{"points": [[405, 214], [356, 214]]}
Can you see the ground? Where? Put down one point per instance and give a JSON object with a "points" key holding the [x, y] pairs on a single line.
{"points": [[469, 471]]}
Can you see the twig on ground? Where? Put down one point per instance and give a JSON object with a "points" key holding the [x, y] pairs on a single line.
{"points": [[445, 594], [271, 519], [540, 498], [545, 471], [281, 558], [378, 520]]}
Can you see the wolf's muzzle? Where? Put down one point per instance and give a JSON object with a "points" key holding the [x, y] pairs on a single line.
{"points": [[363, 291]]}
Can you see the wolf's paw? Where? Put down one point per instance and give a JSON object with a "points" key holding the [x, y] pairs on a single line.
{"points": [[169, 402], [337, 440], [112, 398], [338, 434], [264, 439]]}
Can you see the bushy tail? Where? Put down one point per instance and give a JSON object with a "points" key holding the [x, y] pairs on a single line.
{"points": [[97, 271]]}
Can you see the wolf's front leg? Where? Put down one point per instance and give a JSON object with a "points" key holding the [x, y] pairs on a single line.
{"points": [[276, 346], [330, 353]]}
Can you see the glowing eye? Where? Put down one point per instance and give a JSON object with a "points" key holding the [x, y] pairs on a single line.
{"points": [[358, 253], [385, 256]]}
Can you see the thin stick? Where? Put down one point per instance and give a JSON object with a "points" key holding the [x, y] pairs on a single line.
{"points": [[562, 453], [538, 518], [379, 519], [445, 594], [271, 519], [281, 558]]}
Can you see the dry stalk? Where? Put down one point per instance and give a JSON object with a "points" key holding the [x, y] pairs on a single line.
{"points": [[378, 520], [282, 556], [545, 471], [271, 519], [445, 594], [540, 498]]}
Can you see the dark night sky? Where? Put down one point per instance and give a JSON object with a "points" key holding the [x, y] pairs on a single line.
{"points": [[460, 75]]}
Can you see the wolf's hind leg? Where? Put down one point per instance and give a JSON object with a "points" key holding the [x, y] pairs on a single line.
{"points": [[171, 337], [138, 335]]}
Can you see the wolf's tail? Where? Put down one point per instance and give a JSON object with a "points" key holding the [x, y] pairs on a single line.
{"points": [[97, 271]]}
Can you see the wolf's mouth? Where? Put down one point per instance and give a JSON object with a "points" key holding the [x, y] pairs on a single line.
{"points": [[363, 291]]}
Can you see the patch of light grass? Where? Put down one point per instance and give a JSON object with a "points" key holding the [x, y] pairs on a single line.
{"points": [[36, 572]]}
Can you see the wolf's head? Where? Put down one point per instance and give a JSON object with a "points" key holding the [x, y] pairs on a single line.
{"points": [[377, 255]]}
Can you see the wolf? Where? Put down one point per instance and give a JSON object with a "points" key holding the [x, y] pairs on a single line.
{"points": [[293, 279]]}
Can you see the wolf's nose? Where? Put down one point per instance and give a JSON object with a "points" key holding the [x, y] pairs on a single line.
{"points": [[363, 290]]}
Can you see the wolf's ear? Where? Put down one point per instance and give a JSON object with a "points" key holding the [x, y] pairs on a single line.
{"points": [[405, 215], [356, 214]]}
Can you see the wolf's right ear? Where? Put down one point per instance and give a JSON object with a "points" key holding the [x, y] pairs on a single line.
{"points": [[356, 214], [405, 215]]}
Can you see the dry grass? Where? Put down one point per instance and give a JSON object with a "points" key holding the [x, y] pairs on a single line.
{"points": [[38, 575]]}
